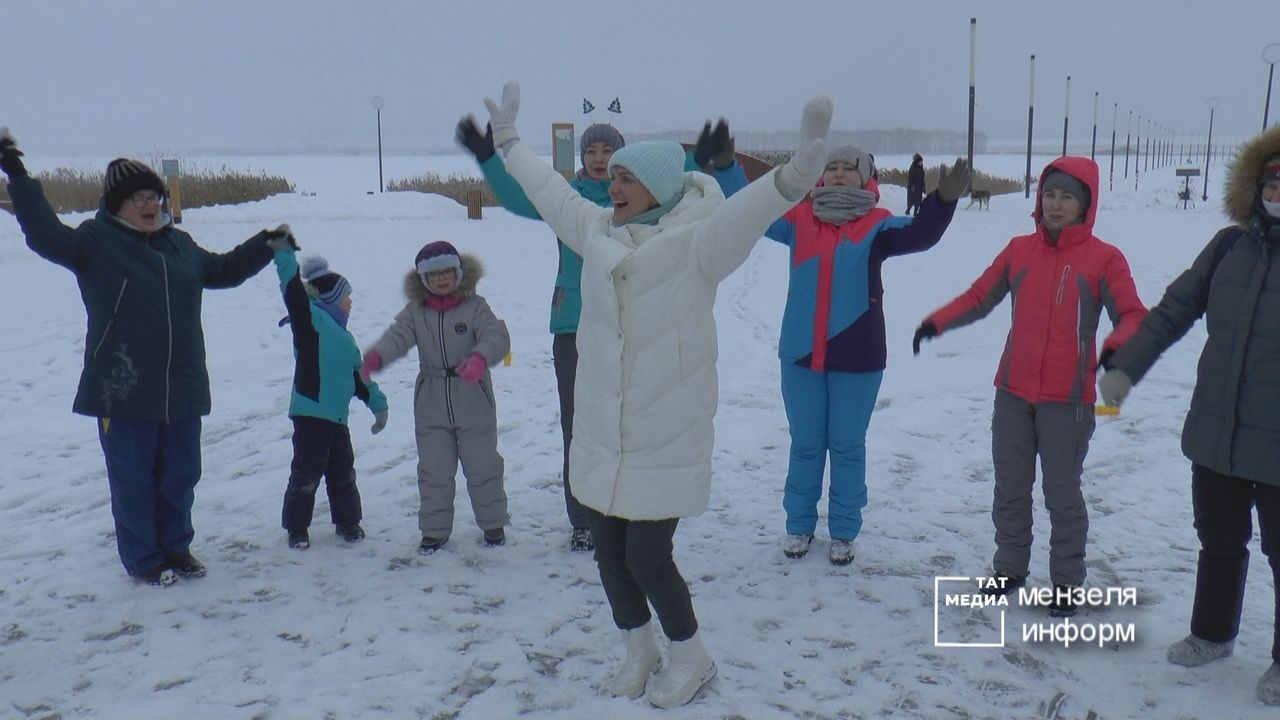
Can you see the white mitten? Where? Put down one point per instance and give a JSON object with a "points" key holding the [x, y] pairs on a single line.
{"points": [[502, 117], [805, 167]]}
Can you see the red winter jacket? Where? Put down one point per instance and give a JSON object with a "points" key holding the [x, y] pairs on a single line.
{"points": [[1059, 290]]}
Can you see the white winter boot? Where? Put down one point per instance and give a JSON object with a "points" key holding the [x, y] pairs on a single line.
{"points": [[689, 667], [642, 661]]}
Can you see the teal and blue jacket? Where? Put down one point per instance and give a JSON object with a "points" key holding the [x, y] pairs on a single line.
{"points": [[326, 358]]}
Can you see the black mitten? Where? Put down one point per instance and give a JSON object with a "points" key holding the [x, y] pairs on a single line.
{"points": [[926, 330], [10, 156], [714, 147], [469, 137]]}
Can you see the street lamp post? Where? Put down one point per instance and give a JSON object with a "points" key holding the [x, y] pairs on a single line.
{"points": [[1093, 148], [1031, 113], [1111, 180], [1271, 56], [1128, 131], [1208, 149], [378, 102], [1066, 115]]}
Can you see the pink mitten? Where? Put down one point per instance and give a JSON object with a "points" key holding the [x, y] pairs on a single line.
{"points": [[372, 363], [472, 369]]}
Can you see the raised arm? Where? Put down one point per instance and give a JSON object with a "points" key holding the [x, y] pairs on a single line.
{"points": [[735, 227], [903, 236], [504, 187], [45, 234], [568, 214]]}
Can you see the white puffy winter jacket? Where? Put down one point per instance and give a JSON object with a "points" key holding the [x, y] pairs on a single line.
{"points": [[646, 389]]}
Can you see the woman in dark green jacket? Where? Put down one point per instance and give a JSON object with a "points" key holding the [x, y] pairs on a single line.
{"points": [[1232, 432], [144, 378]]}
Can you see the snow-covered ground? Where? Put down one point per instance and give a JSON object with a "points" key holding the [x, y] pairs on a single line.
{"points": [[376, 631]]}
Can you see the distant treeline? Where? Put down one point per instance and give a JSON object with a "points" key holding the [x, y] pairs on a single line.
{"points": [[898, 141]]}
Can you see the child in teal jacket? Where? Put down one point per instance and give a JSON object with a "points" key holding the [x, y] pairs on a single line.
{"points": [[326, 376]]}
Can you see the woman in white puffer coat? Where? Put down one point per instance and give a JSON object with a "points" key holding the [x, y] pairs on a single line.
{"points": [[646, 389]]}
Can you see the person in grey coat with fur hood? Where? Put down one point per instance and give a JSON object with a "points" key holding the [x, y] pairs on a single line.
{"points": [[1232, 431], [458, 339]]}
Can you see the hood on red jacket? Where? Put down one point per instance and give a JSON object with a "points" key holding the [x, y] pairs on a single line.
{"points": [[1084, 170]]}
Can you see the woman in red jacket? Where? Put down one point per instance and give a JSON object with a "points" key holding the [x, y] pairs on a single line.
{"points": [[1061, 278]]}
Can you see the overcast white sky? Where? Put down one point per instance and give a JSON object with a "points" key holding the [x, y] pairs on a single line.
{"points": [[129, 77]]}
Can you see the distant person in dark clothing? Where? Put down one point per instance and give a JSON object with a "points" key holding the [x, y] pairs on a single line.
{"points": [[915, 184]]}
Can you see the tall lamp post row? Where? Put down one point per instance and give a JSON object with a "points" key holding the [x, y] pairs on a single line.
{"points": [[1163, 145]]}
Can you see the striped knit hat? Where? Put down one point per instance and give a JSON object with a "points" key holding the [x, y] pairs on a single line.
{"points": [[329, 286], [124, 178]]}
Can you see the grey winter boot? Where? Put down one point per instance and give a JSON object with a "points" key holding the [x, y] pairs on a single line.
{"points": [[689, 667], [1192, 651], [1269, 685], [642, 661]]}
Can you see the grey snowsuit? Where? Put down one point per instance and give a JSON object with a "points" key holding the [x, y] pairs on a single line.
{"points": [[454, 420]]}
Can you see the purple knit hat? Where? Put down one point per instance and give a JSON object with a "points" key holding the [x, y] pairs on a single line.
{"points": [[438, 255]]}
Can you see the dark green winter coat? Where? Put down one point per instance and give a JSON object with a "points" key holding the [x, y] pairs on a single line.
{"points": [[144, 346], [1233, 426]]}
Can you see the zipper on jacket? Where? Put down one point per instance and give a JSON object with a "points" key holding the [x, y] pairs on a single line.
{"points": [[1062, 284], [111, 320], [168, 318], [444, 360]]}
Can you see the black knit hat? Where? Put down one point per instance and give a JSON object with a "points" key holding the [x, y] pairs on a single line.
{"points": [[124, 178]]}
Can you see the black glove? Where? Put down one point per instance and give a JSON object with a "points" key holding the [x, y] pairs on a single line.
{"points": [[10, 156], [469, 137], [714, 146], [926, 330], [281, 238], [1105, 358]]}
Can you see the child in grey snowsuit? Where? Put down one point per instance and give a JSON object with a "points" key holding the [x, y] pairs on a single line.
{"points": [[326, 376], [455, 412]]}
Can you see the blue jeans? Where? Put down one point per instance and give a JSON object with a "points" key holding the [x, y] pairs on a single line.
{"points": [[829, 412], [152, 468]]}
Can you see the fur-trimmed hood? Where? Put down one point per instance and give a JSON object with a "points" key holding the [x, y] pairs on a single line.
{"points": [[472, 271], [1240, 196]]}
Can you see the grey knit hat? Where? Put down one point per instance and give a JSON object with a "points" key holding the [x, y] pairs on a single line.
{"points": [[860, 159], [599, 133], [1058, 180]]}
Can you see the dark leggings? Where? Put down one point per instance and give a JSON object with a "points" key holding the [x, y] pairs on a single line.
{"points": [[637, 569], [564, 355], [1223, 508]]}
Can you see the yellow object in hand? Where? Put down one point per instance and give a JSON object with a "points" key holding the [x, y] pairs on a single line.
{"points": [[506, 361], [1106, 410]]}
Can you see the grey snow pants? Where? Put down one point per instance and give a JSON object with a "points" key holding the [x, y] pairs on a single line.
{"points": [[1059, 433], [439, 451]]}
